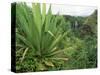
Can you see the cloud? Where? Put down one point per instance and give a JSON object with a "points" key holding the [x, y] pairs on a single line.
{"points": [[73, 10]]}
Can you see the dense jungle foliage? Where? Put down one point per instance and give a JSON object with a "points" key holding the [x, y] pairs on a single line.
{"points": [[47, 42]]}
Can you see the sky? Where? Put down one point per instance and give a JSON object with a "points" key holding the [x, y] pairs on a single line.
{"points": [[73, 10]]}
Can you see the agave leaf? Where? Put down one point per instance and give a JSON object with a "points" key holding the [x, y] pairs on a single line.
{"points": [[40, 67], [21, 19], [49, 63], [23, 39], [53, 24], [55, 51], [37, 16], [49, 11], [57, 39], [27, 24], [43, 13], [23, 56], [48, 18], [19, 50], [55, 42], [65, 59], [20, 45], [51, 34]]}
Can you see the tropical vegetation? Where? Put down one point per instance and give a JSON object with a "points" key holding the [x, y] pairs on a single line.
{"points": [[48, 42]]}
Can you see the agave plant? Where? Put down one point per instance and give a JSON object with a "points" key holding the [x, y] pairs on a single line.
{"points": [[38, 36]]}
